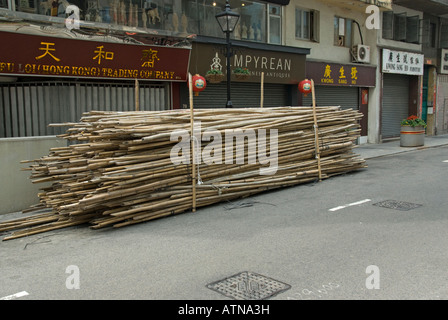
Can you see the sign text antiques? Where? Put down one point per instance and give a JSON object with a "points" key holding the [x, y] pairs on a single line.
{"points": [[277, 66]]}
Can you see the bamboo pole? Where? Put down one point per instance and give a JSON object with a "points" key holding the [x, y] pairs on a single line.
{"points": [[316, 131], [262, 90], [137, 96], [192, 149]]}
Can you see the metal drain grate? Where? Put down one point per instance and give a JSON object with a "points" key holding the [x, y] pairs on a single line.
{"points": [[397, 205], [248, 286]]}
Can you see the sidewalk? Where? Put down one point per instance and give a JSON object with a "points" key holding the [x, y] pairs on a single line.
{"points": [[368, 151]]}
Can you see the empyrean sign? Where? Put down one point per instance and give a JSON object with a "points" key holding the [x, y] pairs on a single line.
{"points": [[30, 55], [403, 62], [335, 74], [277, 66]]}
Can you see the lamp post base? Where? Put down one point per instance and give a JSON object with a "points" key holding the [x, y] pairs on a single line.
{"points": [[229, 104]]}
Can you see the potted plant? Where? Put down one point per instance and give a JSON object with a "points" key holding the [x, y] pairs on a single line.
{"points": [[214, 76], [412, 132], [241, 73]]}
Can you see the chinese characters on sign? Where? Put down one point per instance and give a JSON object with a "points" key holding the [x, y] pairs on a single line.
{"points": [[29, 55], [341, 77], [334, 74], [149, 57], [47, 47], [403, 62], [103, 55]]}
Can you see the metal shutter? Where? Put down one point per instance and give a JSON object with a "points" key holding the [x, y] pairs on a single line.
{"points": [[395, 104], [243, 95], [28, 108], [345, 97]]}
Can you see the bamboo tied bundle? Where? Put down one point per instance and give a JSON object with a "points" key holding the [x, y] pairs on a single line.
{"points": [[117, 169]]}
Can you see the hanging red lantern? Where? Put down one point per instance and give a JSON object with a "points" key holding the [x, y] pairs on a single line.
{"points": [[199, 84], [305, 87]]}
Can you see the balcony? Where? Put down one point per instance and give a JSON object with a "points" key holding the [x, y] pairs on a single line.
{"points": [[360, 5], [434, 7]]}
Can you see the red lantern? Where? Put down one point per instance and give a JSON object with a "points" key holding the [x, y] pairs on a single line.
{"points": [[199, 84], [305, 87]]}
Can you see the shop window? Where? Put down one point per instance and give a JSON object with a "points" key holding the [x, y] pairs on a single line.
{"points": [[3, 3], [275, 24], [28, 6], [259, 21], [206, 11], [252, 25], [343, 32], [307, 24]]}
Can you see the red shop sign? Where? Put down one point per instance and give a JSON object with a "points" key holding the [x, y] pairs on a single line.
{"points": [[30, 55]]}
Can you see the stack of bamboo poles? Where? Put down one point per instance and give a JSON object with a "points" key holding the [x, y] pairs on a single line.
{"points": [[117, 171]]}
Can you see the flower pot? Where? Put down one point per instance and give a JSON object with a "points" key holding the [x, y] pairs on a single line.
{"points": [[241, 76], [412, 136], [215, 78]]}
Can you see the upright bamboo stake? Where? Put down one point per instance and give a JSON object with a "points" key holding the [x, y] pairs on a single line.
{"points": [[193, 154], [137, 96], [316, 133], [262, 90]]}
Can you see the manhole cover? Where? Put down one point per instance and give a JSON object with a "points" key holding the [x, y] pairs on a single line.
{"points": [[248, 286], [397, 205]]}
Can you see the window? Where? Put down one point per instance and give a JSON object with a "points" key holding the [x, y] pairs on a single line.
{"points": [[432, 35], [307, 24], [400, 27], [444, 34], [412, 29], [252, 24], [388, 25], [275, 24], [302, 24], [259, 20], [343, 32]]}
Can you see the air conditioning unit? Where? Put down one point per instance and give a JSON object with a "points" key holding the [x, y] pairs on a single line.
{"points": [[361, 53], [444, 61]]}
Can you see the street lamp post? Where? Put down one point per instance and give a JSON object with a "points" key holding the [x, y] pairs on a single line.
{"points": [[227, 21]]}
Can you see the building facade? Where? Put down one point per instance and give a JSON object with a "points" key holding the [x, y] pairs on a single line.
{"points": [[434, 40]]}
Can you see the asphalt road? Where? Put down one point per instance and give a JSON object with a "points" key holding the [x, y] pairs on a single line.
{"points": [[322, 241]]}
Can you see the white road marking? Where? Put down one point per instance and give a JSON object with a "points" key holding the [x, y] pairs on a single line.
{"points": [[445, 161], [349, 205], [15, 295]]}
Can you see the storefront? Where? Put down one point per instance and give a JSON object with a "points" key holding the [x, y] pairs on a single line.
{"points": [[401, 89], [47, 79], [280, 67], [344, 85]]}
